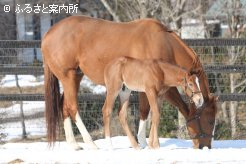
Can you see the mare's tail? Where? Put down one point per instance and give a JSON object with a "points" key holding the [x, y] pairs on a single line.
{"points": [[53, 105]]}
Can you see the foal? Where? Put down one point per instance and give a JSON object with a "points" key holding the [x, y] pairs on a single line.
{"points": [[153, 77]]}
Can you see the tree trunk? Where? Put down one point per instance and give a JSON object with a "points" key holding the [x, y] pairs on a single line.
{"points": [[225, 116], [233, 108], [111, 11], [143, 8], [182, 130], [22, 116]]}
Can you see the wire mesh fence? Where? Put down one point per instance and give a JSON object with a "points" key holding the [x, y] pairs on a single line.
{"points": [[224, 61], [219, 63], [32, 124]]}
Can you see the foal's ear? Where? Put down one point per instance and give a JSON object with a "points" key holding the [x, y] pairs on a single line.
{"points": [[187, 74], [213, 97]]}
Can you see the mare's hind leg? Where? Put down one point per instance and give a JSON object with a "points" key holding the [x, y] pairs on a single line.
{"points": [[69, 134], [70, 109], [124, 101], [144, 112]]}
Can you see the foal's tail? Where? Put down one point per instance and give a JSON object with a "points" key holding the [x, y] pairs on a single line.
{"points": [[53, 105]]}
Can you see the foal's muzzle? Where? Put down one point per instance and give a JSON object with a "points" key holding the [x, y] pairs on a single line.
{"points": [[198, 100]]}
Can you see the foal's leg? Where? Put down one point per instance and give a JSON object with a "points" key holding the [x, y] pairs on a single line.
{"points": [[107, 111], [153, 137], [172, 96], [70, 109], [124, 101]]}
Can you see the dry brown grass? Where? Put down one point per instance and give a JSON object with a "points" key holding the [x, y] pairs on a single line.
{"points": [[14, 90], [25, 90]]}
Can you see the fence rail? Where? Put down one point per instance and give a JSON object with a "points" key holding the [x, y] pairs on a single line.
{"points": [[38, 69], [191, 42], [101, 97]]}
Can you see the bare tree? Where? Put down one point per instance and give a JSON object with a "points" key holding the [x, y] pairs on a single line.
{"points": [[169, 12], [233, 11], [23, 125], [231, 15]]}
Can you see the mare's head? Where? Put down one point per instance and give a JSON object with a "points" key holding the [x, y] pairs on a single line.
{"points": [[201, 123], [191, 88]]}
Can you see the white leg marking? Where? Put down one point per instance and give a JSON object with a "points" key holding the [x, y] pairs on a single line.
{"points": [[142, 133], [109, 144], [83, 131], [214, 129], [69, 134]]}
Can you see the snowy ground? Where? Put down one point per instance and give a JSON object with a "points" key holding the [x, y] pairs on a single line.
{"points": [[171, 151], [24, 80], [30, 80], [34, 126]]}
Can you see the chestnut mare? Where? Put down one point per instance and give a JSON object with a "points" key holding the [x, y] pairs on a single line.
{"points": [[89, 44], [153, 77]]}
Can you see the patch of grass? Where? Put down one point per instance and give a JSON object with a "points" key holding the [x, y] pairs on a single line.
{"points": [[14, 90], [26, 90]]}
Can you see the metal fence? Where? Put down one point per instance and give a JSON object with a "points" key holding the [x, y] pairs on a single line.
{"points": [[24, 58]]}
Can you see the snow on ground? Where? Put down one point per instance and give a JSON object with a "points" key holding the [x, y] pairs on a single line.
{"points": [[171, 151], [29, 107], [24, 80], [96, 89], [34, 126], [30, 80]]}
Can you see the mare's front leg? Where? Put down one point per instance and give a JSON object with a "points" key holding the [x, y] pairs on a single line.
{"points": [[155, 114], [173, 97], [124, 101]]}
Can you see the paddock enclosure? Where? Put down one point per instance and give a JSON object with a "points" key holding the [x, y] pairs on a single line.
{"points": [[22, 91], [30, 98]]}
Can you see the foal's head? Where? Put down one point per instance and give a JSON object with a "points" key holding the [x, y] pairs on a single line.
{"points": [[191, 88]]}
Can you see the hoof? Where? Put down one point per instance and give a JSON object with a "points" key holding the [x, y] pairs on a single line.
{"points": [[93, 146], [143, 144], [78, 148], [154, 147], [137, 148]]}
